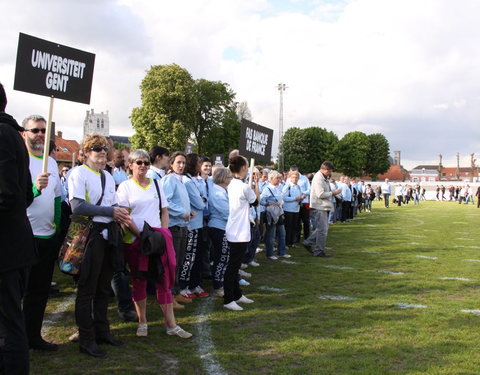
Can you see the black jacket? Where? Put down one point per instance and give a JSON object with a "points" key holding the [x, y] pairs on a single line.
{"points": [[17, 248]]}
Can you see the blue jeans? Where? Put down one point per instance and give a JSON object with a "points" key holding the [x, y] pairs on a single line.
{"points": [[252, 245], [332, 217], [121, 289], [273, 231]]}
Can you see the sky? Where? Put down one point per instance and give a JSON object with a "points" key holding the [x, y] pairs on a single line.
{"points": [[408, 69]]}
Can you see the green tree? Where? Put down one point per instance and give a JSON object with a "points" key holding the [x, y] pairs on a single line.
{"points": [[222, 139], [351, 154], [307, 148], [169, 104], [214, 102], [378, 155]]}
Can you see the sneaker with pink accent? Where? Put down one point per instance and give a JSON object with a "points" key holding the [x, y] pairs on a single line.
{"points": [[178, 331]]}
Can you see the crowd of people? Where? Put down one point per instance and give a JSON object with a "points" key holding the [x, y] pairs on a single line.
{"points": [[205, 221]]}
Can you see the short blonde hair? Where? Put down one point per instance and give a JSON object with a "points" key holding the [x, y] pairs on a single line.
{"points": [[274, 174], [91, 140]]}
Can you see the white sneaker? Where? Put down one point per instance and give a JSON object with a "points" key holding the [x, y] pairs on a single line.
{"points": [[219, 292], [243, 266], [233, 306], [142, 330], [178, 331], [273, 257], [285, 256], [244, 274], [259, 250], [75, 337], [244, 299], [243, 282], [253, 264]]}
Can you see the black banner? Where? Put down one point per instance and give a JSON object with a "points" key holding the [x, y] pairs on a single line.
{"points": [[50, 69], [256, 141], [218, 159]]}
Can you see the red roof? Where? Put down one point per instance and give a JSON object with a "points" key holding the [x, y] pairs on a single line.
{"points": [[463, 171], [66, 149], [394, 173]]}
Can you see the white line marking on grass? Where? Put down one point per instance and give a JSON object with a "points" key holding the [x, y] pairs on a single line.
{"points": [[339, 267], [455, 278], [426, 257], [410, 306], [462, 232], [371, 225], [390, 272], [54, 317], [465, 239], [472, 260], [415, 235], [467, 247], [271, 289], [371, 252], [430, 230], [474, 312], [413, 243], [337, 298], [205, 345], [288, 262], [420, 222]]}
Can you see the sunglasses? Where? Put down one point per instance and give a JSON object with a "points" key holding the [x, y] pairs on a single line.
{"points": [[99, 148], [140, 162], [36, 130]]}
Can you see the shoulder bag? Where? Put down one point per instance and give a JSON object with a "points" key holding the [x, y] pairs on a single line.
{"points": [[72, 250]]}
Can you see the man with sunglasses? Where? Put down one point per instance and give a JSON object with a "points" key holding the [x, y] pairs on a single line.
{"points": [[44, 215]]}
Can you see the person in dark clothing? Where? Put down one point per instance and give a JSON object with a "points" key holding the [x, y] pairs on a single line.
{"points": [[18, 251]]}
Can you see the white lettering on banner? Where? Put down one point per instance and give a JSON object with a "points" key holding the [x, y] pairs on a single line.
{"points": [[256, 141], [56, 81], [59, 69]]}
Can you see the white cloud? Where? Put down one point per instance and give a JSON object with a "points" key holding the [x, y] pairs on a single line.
{"points": [[408, 69]]}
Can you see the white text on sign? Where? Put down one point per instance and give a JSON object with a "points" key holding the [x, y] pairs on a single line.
{"points": [[59, 69], [256, 141]]}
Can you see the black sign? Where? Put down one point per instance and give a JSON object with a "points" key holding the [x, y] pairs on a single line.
{"points": [[256, 141], [218, 159], [188, 148], [50, 69]]}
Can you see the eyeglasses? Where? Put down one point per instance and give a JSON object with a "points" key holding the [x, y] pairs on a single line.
{"points": [[140, 162], [36, 130], [97, 148]]}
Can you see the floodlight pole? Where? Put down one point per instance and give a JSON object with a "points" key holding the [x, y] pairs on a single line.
{"points": [[281, 89]]}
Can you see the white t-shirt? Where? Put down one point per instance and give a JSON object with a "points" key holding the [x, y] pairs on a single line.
{"points": [[240, 195], [84, 183], [42, 210], [143, 204]]}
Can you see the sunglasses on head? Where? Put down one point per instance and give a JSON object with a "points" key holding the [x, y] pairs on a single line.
{"points": [[36, 130], [97, 148], [140, 162]]}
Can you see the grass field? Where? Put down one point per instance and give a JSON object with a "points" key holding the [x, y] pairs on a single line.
{"points": [[399, 296]]}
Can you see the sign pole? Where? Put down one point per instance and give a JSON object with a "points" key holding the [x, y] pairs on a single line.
{"points": [[46, 146], [252, 166]]}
